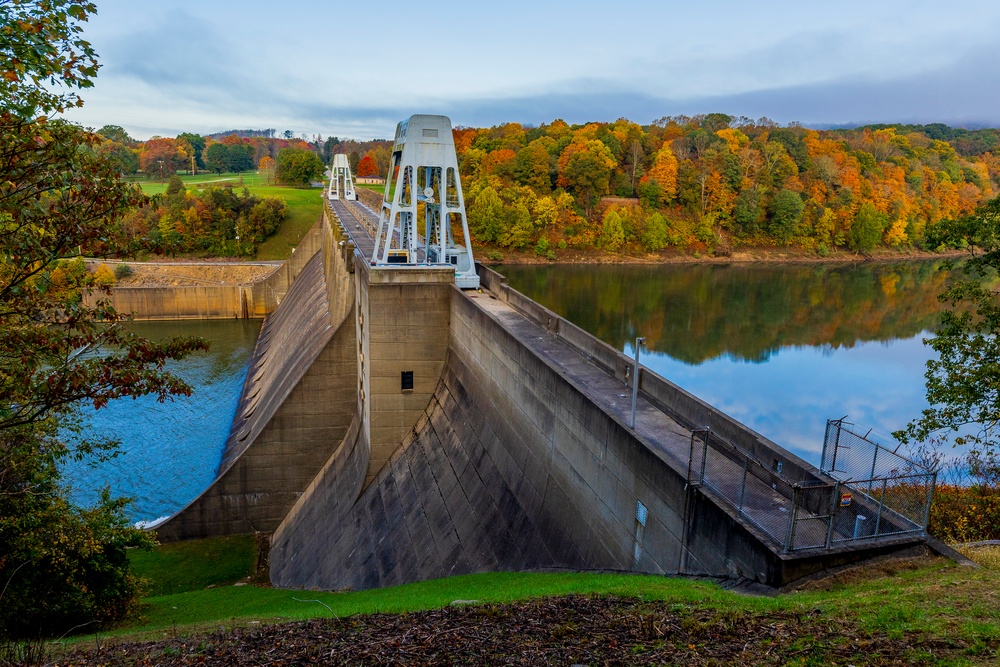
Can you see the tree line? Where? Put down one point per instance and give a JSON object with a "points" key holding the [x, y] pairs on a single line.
{"points": [[713, 182]]}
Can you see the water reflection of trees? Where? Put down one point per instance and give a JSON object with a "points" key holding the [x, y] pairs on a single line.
{"points": [[696, 313]]}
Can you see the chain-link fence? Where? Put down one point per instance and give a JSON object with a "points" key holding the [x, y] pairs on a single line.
{"points": [[792, 514], [890, 499], [882, 493]]}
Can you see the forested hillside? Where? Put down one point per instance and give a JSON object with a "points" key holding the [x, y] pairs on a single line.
{"points": [[715, 182], [707, 183]]}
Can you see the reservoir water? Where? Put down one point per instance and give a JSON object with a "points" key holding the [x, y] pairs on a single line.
{"points": [[782, 348], [170, 451]]}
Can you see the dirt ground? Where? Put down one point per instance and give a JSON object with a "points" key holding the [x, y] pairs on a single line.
{"points": [[160, 274], [570, 630]]}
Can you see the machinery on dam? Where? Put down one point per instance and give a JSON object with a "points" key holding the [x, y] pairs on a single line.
{"points": [[424, 193], [341, 182], [394, 427]]}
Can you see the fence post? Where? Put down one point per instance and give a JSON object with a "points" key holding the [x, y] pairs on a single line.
{"points": [[928, 499], [691, 458], [871, 476], [834, 505], [704, 454], [826, 442], [881, 504], [790, 533], [743, 485]]}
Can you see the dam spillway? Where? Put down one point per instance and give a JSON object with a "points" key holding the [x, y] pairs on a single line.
{"points": [[511, 450]]}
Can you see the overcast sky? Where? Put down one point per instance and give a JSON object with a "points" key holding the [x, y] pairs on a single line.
{"points": [[353, 69]]}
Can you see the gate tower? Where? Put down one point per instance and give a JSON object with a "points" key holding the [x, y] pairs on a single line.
{"points": [[341, 183], [423, 221]]}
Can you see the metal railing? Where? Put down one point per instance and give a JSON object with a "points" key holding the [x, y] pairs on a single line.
{"points": [[815, 513]]}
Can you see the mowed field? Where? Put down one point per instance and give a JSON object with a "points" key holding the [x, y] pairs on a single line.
{"points": [[305, 206]]}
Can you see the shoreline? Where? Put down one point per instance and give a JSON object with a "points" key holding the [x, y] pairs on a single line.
{"points": [[755, 256]]}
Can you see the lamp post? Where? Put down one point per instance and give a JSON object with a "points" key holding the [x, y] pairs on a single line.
{"points": [[639, 341]]}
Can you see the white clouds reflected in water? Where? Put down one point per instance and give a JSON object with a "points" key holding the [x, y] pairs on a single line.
{"points": [[789, 398]]}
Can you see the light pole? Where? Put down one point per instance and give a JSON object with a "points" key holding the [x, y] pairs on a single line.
{"points": [[639, 341]]}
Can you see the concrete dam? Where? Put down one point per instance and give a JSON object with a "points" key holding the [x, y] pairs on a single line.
{"points": [[394, 428]]}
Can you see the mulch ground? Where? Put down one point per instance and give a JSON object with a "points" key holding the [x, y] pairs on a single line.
{"points": [[573, 630]]}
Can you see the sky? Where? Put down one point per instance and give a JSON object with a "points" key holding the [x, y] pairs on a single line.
{"points": [[353, 70]]}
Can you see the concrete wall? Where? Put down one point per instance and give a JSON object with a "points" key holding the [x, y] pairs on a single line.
{"points": [[297, 403], [510, 467], [215, 302], [403, 327]]}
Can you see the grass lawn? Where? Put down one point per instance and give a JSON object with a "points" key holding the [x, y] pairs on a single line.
{"points": [[930, 598], [305, 206]]}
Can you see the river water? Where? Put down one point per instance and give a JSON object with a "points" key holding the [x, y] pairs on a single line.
{"points": [[170, 451], [782, 348]]}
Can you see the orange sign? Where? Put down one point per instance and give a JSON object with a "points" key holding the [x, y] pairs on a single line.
{"points": [[845, 499]]}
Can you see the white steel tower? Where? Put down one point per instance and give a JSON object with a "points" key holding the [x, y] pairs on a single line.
{"points": [[422, 221], [341, 183]]}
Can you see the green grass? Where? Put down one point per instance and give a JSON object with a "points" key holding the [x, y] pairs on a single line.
{"points": [[935, 597], [305, 206], [181, 567]]}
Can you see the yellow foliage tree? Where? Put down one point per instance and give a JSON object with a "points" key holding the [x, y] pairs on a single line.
{"points": [[664, 172]]}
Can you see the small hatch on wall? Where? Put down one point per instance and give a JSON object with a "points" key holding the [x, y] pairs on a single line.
{"points": [[406, 380]]}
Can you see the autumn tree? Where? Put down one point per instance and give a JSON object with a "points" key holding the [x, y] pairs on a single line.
{"points": [[664, 174], [266, 167], [160, 157], [62, 566], [367, 167]]}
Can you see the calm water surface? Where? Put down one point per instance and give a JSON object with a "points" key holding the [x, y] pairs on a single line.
{"points": [[781, 348], [170, 451]]}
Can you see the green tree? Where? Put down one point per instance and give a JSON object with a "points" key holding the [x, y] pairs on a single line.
{"points": [[217, 157], [297, 166], [486, 216], [117, 134], [612, 231], [786, 213], [239, 158], [748, 211], [532, 165], [586, 167], [520, 229], [963, 382], [656, 236], [867, 229], [60, 565], [197, 143]]}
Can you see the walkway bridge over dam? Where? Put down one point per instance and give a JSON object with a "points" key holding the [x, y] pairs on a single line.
{"points": [[395, 428]]}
